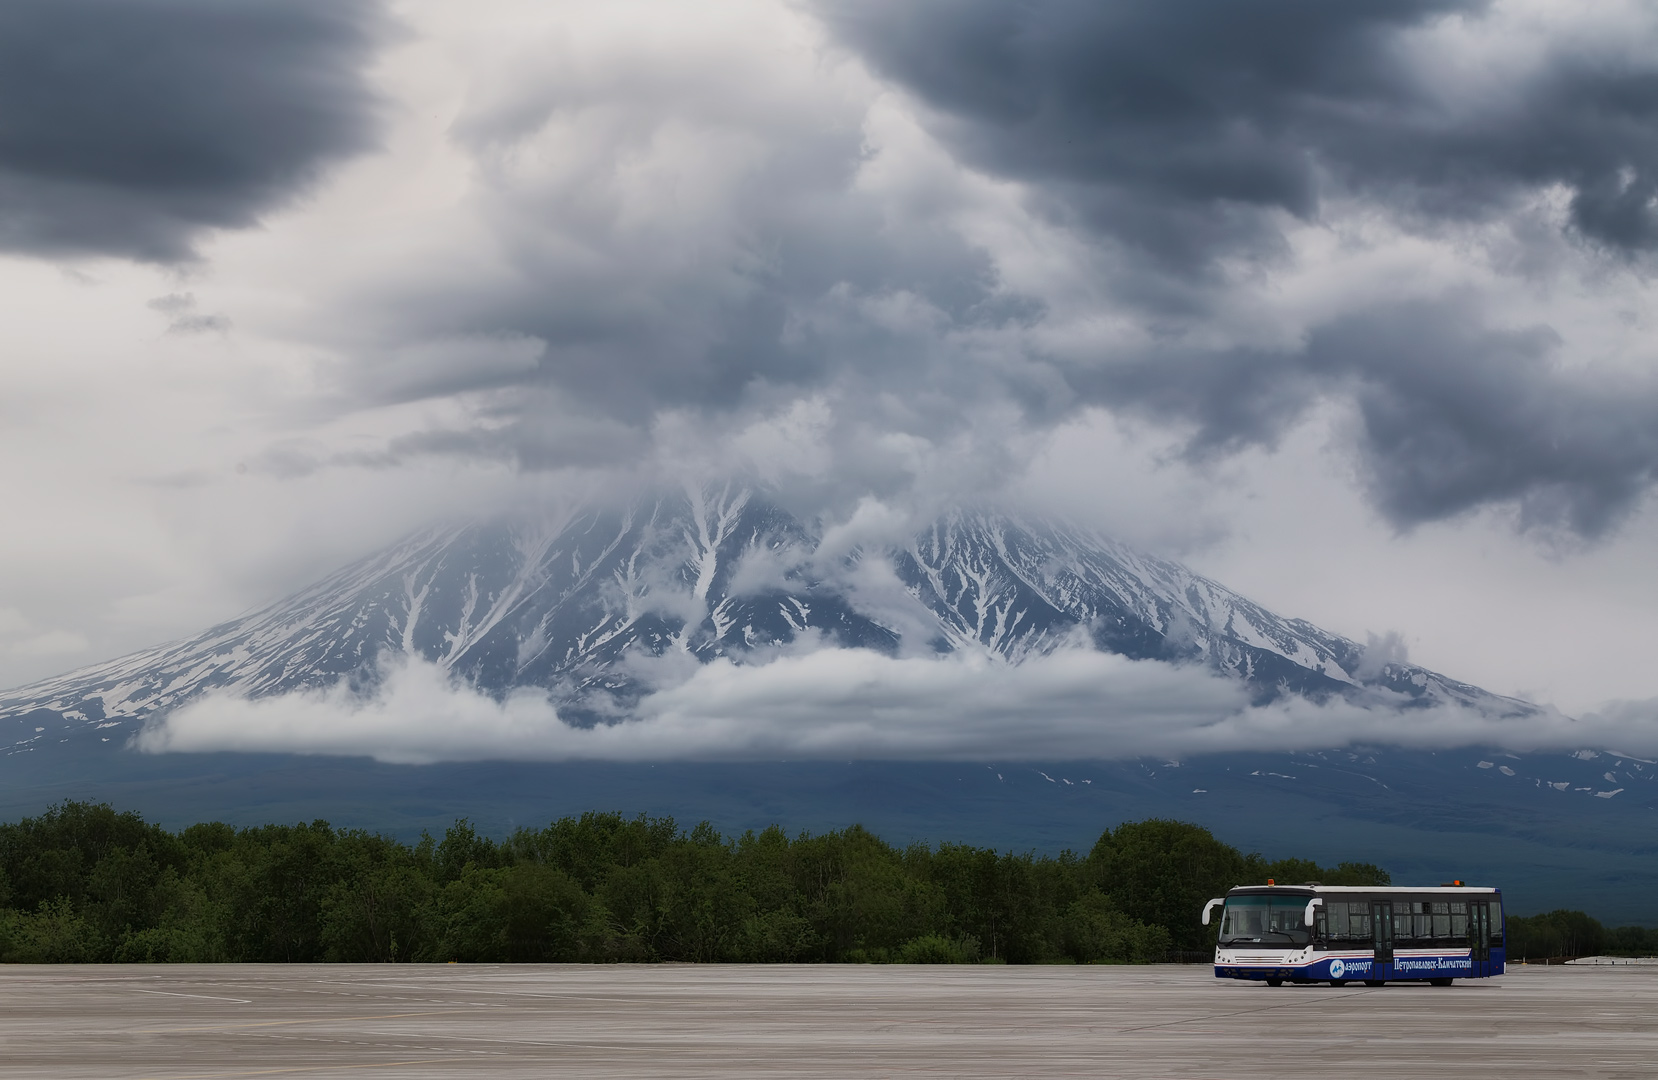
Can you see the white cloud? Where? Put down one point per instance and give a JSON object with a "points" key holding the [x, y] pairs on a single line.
{"points": [[851, 703], [20, 637], [52, 643], [13, 622], [1380, 651]]}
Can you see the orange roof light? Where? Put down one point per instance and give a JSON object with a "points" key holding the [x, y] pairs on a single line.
{"points": [[1271, 882]]}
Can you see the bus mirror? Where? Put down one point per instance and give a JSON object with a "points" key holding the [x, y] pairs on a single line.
{"points": [[1314, 902], [1210, 906]]}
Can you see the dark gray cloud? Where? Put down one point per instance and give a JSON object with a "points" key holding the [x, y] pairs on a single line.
{"points": [[1458, 416], [1183, 132], [758, 274], [129, 126], [1454, 415], [180, 309], [625, 334], [1169, 124], [665, 242]]}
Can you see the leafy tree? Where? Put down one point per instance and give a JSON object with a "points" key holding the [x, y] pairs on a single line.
{"points": [[105, 863], [55, 933], [461, 848], [1555, 933], [188, 931], [938, 949], [1161, 872], [1632, 941], [277, 877], [544, 914], [375, 908], [1094, 931], [465, 920]]}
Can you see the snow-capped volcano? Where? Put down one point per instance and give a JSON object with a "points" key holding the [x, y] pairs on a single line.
{"points": [[581, 603]]}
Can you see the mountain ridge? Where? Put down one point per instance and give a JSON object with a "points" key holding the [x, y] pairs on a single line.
{"points": [[562, 602]]}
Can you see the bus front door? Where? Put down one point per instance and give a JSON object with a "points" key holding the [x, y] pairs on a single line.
{"points": [[1479, 937], [1381, 941]]}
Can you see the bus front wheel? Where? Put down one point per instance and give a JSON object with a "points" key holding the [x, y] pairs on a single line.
{"points": [[1440, 982], [1375, 982], [1275, 982]]}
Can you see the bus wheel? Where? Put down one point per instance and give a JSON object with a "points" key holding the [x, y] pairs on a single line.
{"points": [[1440, 982], [1275, 982], [1338, 983], [1375, 982]]}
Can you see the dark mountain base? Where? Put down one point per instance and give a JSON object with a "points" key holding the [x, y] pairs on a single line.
{"points": [[1425, 817]]}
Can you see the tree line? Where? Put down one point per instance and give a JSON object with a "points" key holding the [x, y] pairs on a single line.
{"points": [[1566, 933], [85, 883]]}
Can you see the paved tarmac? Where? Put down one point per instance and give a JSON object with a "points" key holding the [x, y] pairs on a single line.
{"points": [[194, 1022]]}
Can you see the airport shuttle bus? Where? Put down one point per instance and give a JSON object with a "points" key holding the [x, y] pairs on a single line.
{"points": [[1342, 935]]}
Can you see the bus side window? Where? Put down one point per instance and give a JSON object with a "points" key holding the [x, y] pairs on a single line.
{"points": [[1497, 923], [1459, 922], [1335, 915], [1403, 930], [1441, 920], [1360, 916], [1421, 920]]}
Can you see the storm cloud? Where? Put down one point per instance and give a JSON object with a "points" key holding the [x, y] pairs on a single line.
{"points": [[128, 127], [1170, 126], [1190, 139], [1247, 284], [918, 228], [1450, 414], [671, 252]]}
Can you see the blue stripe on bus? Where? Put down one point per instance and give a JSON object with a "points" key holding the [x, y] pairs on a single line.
{"points": [[1362, 966]]}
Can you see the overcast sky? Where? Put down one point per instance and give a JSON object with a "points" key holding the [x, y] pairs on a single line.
{"points": [[1348, 305]]}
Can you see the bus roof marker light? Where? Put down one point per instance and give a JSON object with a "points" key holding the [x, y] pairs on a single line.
{"points": [[1271, 882]]}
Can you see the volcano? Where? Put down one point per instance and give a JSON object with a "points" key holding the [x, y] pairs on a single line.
{"points": [[569, 602]]}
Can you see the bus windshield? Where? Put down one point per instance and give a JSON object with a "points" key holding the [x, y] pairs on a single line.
{"points": [[1265, 920]]}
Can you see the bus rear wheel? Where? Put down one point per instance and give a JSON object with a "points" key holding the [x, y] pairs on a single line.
{"points": [[1375, 982], [1440, 982], [1275, 982]]}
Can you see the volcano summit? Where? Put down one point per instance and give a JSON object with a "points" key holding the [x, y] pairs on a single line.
{"points": [[598, 607]]}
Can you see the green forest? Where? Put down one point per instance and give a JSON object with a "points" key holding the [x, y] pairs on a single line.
{"points": [[1562, 934], [85, 883]]}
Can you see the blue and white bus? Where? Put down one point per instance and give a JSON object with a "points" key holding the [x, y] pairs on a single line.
{"points": [[1343, 935]]}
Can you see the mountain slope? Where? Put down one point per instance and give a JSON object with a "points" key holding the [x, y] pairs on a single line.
{"points": [[1018, 587], [573, 603]]}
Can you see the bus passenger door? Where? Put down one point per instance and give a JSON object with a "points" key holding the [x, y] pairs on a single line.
{"points": [[1381, 938], [1479, 937]]}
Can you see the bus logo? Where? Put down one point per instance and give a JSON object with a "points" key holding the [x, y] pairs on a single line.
{"points": [[1336, 968]]}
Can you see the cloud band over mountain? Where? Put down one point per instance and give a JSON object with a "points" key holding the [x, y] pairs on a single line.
{"points": [[856, 704]]}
